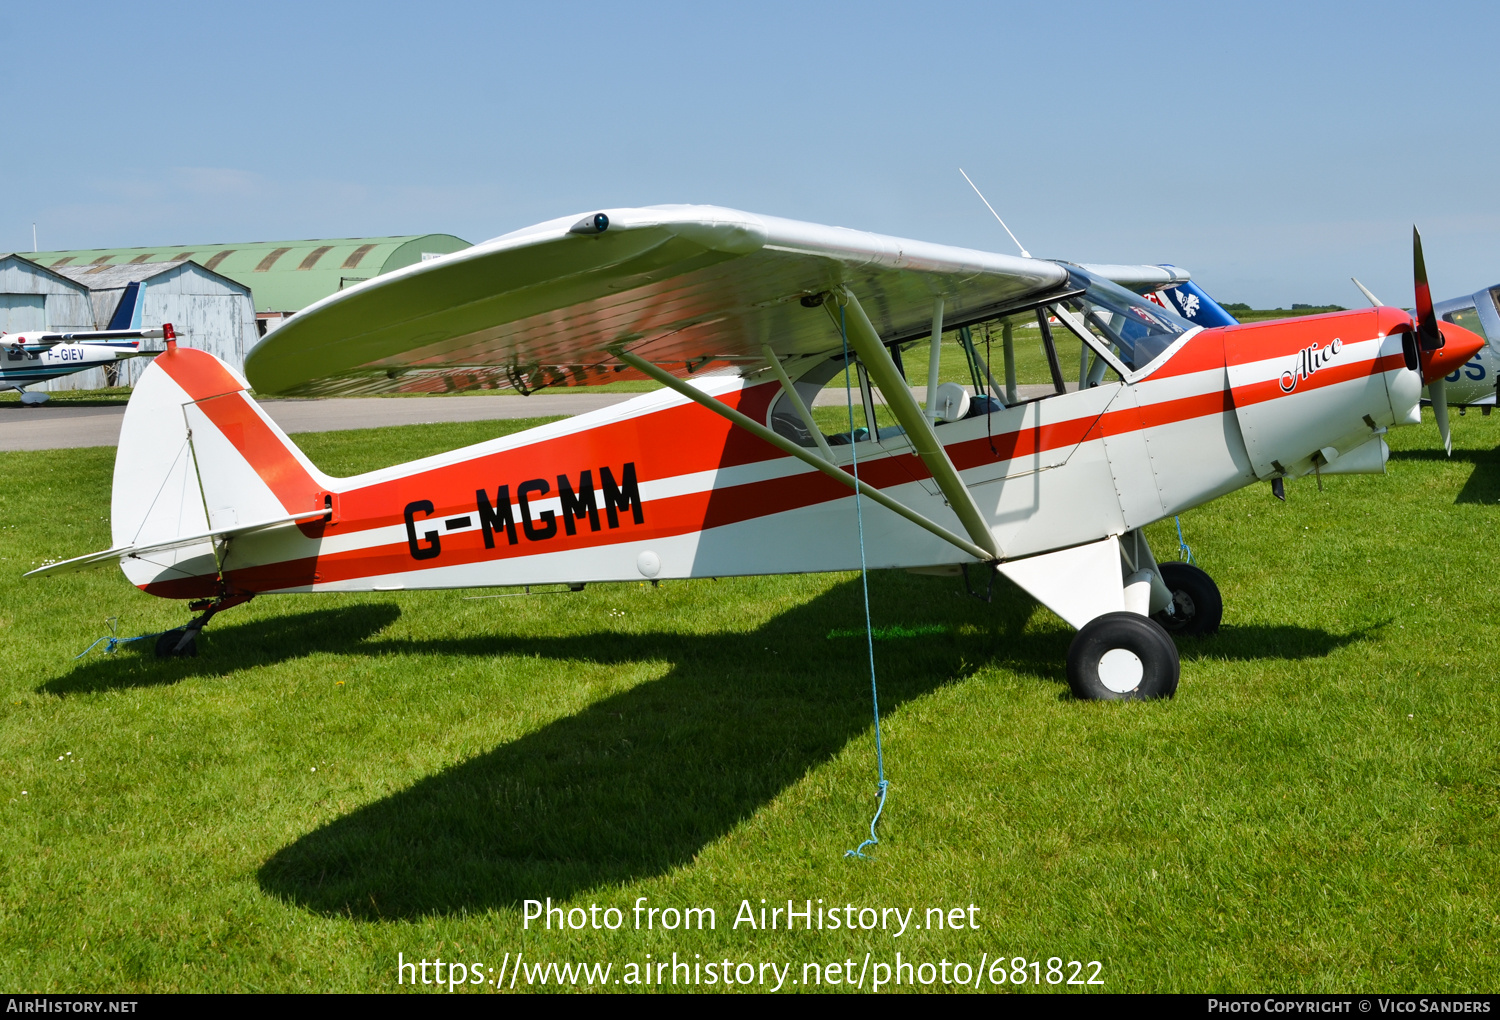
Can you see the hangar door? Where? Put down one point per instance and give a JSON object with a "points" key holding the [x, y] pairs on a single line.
{"points": [[22, 312]]}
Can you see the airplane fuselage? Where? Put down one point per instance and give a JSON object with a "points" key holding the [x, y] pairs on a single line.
{"points": [[21, 367], [660, 487]]}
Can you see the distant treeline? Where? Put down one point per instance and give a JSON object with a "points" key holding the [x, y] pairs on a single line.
{"points": [[1245, 313]]}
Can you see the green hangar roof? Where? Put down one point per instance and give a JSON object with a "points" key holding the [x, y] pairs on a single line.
{"points": [[284, 276]]}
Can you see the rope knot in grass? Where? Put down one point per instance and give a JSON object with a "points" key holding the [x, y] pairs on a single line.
{"points": [[858, 851], [112, 641]]}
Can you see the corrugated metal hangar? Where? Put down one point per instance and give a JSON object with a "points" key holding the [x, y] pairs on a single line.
{"points": [[219, 297], [34, 297], [285, 276], [208, 311]]}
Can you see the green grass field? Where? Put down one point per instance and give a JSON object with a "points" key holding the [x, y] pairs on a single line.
{"points": [[337, 780]]}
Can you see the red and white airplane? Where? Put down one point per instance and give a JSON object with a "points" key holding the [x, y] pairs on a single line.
{"points": [[1112, 413]]}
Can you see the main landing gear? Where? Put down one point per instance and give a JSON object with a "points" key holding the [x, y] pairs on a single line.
{"points": [[182, 642], [1125, 656], [1122, 656]]}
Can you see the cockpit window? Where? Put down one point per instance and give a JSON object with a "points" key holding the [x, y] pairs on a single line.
{"points": [[1135, 329], [834, 396], [1467, 317], [1042, 349]]}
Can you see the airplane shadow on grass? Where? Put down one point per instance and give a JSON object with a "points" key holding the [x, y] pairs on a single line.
{"points": [[228, 646], [1483, 485], [1258, 641], [638, 783]]}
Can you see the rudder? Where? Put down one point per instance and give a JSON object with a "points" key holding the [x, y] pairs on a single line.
{"points": [[196, 454]]}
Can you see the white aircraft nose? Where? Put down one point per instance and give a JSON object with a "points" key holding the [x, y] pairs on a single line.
{"points": [[1404, 387]]}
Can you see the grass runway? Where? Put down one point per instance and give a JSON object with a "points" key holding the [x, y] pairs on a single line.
{"points": [[339, 779]]}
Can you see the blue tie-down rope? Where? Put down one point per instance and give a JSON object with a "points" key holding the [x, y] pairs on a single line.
{"points": [[1182, 546], [114, 642], [864, 578]]}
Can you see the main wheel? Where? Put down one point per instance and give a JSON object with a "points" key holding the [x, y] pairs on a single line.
{"points": [[1197, 606], [166, 645], [1122, 657]]}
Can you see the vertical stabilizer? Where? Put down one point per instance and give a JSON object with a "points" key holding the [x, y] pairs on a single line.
{"points": [[196, 454]]}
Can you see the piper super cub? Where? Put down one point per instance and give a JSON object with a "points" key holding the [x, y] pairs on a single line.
{"points": [[1113, 413]]}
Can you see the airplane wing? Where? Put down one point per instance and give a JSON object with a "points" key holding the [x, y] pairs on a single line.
{"points": [[115, 553], [1141, 279], [679, 286]]}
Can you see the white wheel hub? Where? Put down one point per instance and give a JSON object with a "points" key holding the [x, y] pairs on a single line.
{"points": [[1121, 670]]}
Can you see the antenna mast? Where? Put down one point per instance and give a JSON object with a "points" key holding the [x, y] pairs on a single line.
{"points": [[1024, 252]]}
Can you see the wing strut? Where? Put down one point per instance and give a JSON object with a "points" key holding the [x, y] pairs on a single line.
{"points": [[758, 430], [877, 360], [934, 357]]}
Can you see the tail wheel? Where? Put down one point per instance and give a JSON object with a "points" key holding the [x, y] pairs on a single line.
{"points": [[1122, 657], [1197, 606], [170, 645]]}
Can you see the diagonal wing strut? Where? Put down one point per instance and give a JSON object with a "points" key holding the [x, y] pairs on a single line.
{"points": [[866, 343]]}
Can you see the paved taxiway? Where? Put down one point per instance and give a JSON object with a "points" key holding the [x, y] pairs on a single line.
{"points": [[59, 427]]}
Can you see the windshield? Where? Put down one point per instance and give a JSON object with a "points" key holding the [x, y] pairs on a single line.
{"points": [[1136, 329], [1467, 317]]}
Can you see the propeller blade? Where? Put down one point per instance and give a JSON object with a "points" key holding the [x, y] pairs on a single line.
{"points": [[1437, 358], [1429, 337], [1438, 391]]}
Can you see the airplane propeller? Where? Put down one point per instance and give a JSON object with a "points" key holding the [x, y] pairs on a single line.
{"points": [[1429, 341]]}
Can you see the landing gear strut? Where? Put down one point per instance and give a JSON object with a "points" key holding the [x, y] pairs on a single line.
{"points": [[182, 642]]}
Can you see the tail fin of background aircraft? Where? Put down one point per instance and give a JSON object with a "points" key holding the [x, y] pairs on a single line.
{"points": [[127, 312], [1193, 303], [198, 457]]}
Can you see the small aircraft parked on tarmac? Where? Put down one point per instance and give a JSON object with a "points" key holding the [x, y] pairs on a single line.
{"points": [[1113, 413], [37, 356]]}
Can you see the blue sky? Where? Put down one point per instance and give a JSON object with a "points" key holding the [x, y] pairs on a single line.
{"points": [[1273, 149]]}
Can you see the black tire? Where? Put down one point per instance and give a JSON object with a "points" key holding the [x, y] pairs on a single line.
{"points": [[166, 646], [1196, 602], [1153, 670]]}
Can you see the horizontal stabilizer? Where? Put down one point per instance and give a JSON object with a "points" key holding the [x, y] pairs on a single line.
{"points": [[182, 541]]}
